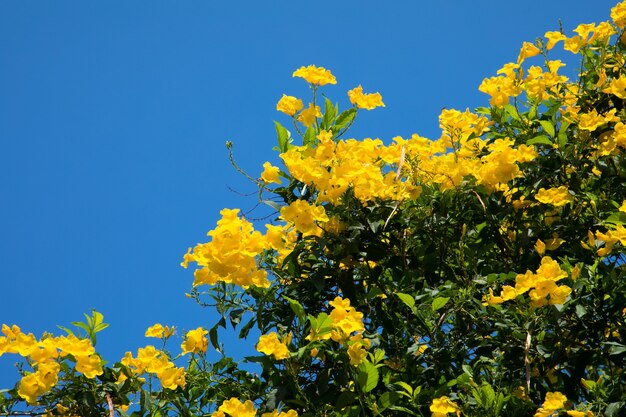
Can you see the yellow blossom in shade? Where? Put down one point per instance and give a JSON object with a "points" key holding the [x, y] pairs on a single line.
{"points": [[365, 101], [159, 331], [276, 413], [289, 105], [90, 366], [345, 318], [540, 247], [553, 37], [356, 353], [622, 208], [618, 14], [557, 197], [270, 173], [553, 402], [269, 344], [441, 406], [195, 341], [235, 408], [315, 75], [308, 115], [575, 413], [528, 50]]}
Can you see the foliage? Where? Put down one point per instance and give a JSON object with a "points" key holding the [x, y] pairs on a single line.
{"points": [[480, 273]]}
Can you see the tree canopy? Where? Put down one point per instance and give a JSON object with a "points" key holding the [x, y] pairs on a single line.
{"points": [[479, 273]]}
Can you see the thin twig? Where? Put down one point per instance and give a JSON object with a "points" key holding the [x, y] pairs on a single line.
{"points": [[527, 361], [110, 403]]}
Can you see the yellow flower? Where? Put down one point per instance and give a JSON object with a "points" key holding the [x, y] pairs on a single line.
{"points": [[617, 87], [618, 14], [289, 105], [365, 101], [308, 115], [528, 50], [442, 406], [290, 413], [159, 331], [553, 38], [270, 173], [195, 341], [315, 75], [554, 401], [304, 216], [172, 377], [90, 366], [271, 345], [540, 247], [557, 197], [236, 408]]}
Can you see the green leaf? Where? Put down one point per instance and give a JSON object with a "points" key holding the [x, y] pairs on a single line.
{"points": [[547, 126], [345, 399], [297, 308], [213, 337], [345, 118], [386, 400], [407, 299], [613, 409], [330, 112], [439, 302], [485, 396], [284, 137], [562, 136], [512, 111], [616, 348], [617, 218], [320, 325], [367, 377], [539, 140], [272, 204], [309, 136]]}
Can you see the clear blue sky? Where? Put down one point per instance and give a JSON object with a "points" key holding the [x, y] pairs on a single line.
{"points": [[114, 115]]}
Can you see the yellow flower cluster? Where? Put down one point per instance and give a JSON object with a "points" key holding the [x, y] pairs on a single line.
{"points": [[542, 286], [315, 75], [270, 344], [555, 402], [304, 217], [195, 341], [610, 238], [149, 359], [558, 197], [365, 101], [231, 254], [334, 167], [44, 355], [348, 328], [235, 408], [441, 406]]}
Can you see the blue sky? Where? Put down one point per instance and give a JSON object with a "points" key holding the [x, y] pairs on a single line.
{"points": [[114, 115]]}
